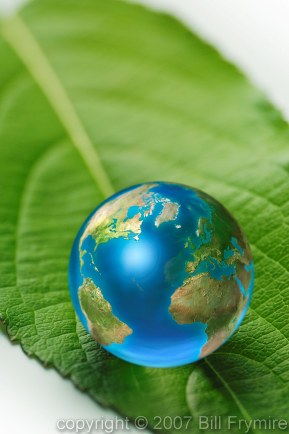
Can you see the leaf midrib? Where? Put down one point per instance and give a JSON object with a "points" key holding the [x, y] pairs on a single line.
{"points": [[238, 403], [29, 51]]}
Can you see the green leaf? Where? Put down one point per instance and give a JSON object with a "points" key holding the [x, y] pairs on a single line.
{"points": [[98, 95]]}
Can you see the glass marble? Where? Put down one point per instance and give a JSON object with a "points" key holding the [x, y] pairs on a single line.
{"points": [[161, 274]]}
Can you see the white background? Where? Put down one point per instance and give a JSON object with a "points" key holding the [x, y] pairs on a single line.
{"points": [[254, 34]]}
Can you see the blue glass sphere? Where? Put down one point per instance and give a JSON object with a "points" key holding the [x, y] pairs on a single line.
{"points": [[161, 274]]}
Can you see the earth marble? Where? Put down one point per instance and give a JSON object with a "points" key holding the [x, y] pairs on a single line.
{"points": [[161, 274]]}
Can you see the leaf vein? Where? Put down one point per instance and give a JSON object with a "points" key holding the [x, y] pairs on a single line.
{"points": [[27, 48]]}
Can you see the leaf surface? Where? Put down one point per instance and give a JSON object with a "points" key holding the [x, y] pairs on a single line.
{"points": [[100, 95]]}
